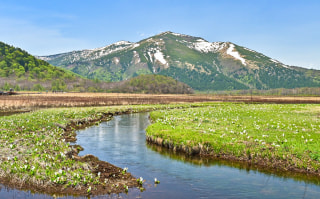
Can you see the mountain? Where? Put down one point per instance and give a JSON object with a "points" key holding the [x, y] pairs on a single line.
{"points": [[192, 60], [22, 71]]}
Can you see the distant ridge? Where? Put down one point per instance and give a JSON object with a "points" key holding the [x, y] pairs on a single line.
{"points": [[201, 64]]}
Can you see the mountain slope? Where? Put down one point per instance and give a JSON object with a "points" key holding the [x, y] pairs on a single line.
{"points": [[22, 71], [200, 64]]}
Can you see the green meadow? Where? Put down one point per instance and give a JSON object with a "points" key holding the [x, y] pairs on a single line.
{"points": [[33, 149], [283, 135]]}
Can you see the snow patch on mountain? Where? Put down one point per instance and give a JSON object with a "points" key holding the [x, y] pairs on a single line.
{"points": [[235, 54], [159, 56], [179, 35], [135, 45], [136, 58], [204, 46], [275, 61], [116, 60], [150, 56], [122, 43]]}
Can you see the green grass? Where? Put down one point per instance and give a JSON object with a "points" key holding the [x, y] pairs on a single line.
{"points": [[273, 133], [33, 150]]}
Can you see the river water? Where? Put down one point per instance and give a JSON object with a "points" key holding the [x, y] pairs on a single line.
{"points": [[121, 142]]}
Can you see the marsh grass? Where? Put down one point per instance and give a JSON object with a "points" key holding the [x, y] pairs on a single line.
{"points": [[34, 152], [31, 101], [282, 136]]}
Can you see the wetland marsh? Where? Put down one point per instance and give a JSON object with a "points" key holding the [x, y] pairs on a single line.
{"points": [[35, 148]]}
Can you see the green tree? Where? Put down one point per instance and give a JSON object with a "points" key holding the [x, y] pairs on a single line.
{"points": [[58, 85], [17, 88], [38, 87], [7, 86]]}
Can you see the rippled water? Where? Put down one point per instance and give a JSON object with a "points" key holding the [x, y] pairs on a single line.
{"points": [[121, 142]]}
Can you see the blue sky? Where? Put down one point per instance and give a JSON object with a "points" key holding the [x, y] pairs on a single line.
{"points": [[286, 30]]}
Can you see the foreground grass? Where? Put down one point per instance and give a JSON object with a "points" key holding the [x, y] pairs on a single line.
{"points": [[33, 150], [279, 136]]}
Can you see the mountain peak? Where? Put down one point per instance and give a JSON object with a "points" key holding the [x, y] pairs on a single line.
{"points": [[119, 43], [172, 33], [193, 60]]}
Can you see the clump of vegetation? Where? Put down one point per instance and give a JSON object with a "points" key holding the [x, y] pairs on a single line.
{"points": [[273, 135], [156, 84]]}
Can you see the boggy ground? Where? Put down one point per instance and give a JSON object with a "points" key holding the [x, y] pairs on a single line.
{"points": [[108, 178], [35, 153]]}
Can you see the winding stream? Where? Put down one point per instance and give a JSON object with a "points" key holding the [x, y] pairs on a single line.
{"points": [[121, 142]]}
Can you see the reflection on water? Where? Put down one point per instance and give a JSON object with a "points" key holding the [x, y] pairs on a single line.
{"points": [[121, 142], [206, 161]]}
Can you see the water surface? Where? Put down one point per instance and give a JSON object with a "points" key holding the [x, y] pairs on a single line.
{"points": [[121, 142]]}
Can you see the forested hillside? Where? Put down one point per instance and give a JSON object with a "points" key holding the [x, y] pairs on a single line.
{"points": [[22, 71]]}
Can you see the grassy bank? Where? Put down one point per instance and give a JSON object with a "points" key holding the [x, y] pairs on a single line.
{"points": [[35, 154], [278, 136]]}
